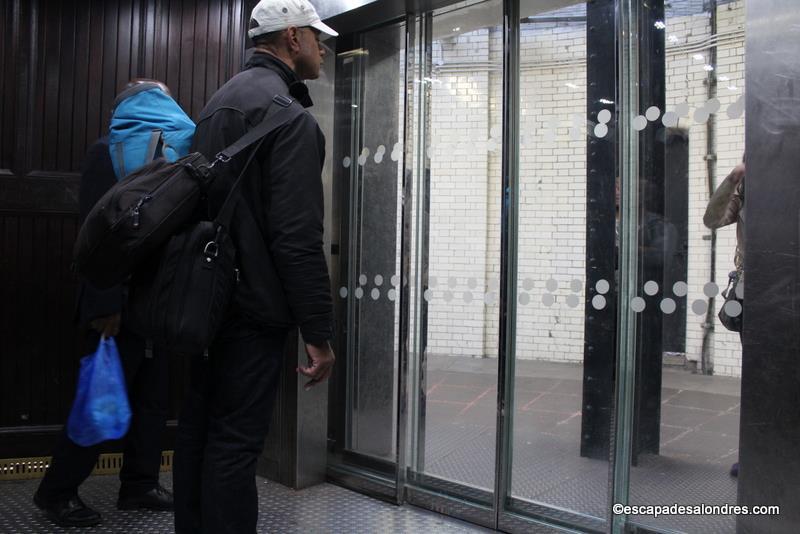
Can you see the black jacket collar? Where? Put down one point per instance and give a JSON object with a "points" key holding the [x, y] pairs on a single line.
{"points": [[297, 89]]}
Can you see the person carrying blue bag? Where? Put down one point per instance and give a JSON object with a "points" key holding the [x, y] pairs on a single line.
{"points": [[146, 123]]}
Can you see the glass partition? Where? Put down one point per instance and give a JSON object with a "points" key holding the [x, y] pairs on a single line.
{"points": [[457, 249], [570, 208], [565, 323], [691, 133]]}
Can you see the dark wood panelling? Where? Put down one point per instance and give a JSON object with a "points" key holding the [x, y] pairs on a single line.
{"points": [[61, 66]]}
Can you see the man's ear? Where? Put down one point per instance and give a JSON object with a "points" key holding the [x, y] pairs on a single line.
{"points": [[293, 38]]}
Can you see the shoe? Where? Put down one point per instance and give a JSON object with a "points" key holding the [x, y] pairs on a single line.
{"points": [[158, 498], [70, 513], [735, 470]]}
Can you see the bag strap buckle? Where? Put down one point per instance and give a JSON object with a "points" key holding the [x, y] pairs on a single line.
{"points": [[211, 250]]}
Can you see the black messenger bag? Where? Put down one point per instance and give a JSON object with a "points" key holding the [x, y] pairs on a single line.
{"points": [[141, 212], [181, 284]]}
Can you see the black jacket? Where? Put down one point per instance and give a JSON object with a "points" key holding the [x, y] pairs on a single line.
{"points": [[278, 222], [97, 177]]}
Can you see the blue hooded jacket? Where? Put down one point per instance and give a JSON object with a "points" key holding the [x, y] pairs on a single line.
{"points": [[146, 124]]}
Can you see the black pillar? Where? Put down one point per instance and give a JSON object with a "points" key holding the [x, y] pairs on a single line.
{"points": [[769, 449], [654, 232], [599, 354]]}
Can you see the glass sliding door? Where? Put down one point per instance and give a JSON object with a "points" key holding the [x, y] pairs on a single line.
{"points": [[456, 252], [691, 133], [368, 162], [561, 379]]}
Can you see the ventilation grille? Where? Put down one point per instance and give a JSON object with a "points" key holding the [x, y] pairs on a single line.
{"points": [[107, 464]]}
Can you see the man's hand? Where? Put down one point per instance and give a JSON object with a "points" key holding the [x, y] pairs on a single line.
{"points": [[107, 326], [320, 363]]}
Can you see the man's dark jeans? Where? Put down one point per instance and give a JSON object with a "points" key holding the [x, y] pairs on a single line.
{"points": [[148, 389], [221, 431]]}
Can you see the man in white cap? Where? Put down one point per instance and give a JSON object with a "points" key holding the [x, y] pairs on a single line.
{"points": [[284, 283]]}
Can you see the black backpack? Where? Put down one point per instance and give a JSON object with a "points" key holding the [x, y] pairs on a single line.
{"points": [[182, 272]]}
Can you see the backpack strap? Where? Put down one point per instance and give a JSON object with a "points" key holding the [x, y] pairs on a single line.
{"points": [[155, 140], [276, 116], [120, 157]]}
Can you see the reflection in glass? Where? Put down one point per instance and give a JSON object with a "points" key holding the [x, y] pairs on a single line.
{"points": [[458, 245], [374, 70], [686, 429], [560, 451]]}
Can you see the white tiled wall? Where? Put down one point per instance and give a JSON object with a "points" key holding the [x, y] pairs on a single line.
{"points": [[465, 161]]}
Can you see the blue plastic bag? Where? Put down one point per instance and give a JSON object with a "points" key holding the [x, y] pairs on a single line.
{"points": [[101, 410]]}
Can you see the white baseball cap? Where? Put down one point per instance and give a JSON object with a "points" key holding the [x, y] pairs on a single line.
{"points": [[276, 15]]}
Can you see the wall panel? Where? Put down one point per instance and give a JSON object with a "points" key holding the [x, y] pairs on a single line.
{"points": [[61, 66]]}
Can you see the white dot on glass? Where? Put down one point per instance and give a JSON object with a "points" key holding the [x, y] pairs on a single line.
{"points": [[680, 289], [467, 296], [699, 307], [395, 156], [362, 159], [602, 286], [552, 285], [378, 280], [381, 149], [365, 152], [397, 147], [494, 284], [700, 115], [573, 301], [668, 305], [448, 296], [489, 298], [576, 286], [603, 116], [638, 304], [598, 302], [432, 281], [639, 123], [343, 292], [362, 280], [378, 157], [375, 294], [346, 162], [451, 282], [395, 280], [736, 109], [670, 119], [652, 113], [651, 287], [682, 109], [600, 130], [710, 290], [527, 284], [548, 299], [359, 292], [524, 298], [392, 295], [472, 283], [712, 106], [733, 308], [427, 295], [494, 131]]}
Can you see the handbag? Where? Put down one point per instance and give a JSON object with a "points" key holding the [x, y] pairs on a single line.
{"points": [[730, 314], [101, 410], [178, 298]]}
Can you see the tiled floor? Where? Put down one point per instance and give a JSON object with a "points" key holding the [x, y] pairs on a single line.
{"points": [[699, 439], [321, 509], [699, 442]]}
